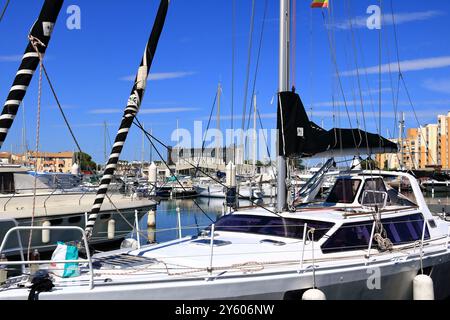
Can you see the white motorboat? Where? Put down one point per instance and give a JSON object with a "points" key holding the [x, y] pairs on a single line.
{"points": [[54, 205], [433, 185], [206, 187]]}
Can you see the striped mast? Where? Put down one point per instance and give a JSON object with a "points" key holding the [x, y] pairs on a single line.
{"points": [[134, 103], [39, 39]]}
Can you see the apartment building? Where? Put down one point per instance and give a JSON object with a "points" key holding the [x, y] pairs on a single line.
{"points": [[422, 148], [46, 161]]}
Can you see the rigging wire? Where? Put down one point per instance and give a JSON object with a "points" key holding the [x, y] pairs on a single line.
{"points": [[258, 59], [334, 61], [149, 137], [247, 79], [44, 72], [335, 86], [266, 142], [402, 80], [366, 76], [380, 53], [311, 58], [5, 7], [358, 78], [207, 129], [60, 107], [391, 81], [233, 63], [138, 124], [35, 42]]}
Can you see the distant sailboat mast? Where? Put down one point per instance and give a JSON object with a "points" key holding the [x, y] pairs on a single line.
{"points": [[218, 142], [105, 142], [24, 136], [255, 138], [143, 151]]}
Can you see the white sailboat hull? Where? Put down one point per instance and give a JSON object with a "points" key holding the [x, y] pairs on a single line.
{"points": [[345, 283]]}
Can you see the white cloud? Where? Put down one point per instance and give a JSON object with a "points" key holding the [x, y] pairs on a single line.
{"points": [[106, 111], [384, 114], [86, 125], [11, 58], [352, 103], [143, 111], [166, 110], [441, 85], [400, 18], [161, 76], [406, 65]]}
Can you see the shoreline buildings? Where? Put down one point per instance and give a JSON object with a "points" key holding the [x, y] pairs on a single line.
{"points": [[61, 162], [427, 147]]}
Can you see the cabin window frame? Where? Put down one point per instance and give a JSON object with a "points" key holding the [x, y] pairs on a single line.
{"points": [[396, 228], [355, 193], [363, 188], [291, 228]]}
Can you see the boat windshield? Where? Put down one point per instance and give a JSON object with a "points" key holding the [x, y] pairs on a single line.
{"points": [[344, 191], [271, 226]]}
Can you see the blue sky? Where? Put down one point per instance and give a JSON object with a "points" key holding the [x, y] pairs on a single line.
{"points": [[91, 68]]}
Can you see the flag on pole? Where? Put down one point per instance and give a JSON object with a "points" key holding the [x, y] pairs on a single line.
{"points": [[319, 4]]}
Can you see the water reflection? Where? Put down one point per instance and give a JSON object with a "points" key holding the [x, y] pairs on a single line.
{"points": [[193, 220]]}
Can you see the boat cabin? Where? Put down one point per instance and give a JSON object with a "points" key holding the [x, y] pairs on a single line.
{"points": [[346, 220], [365, 191], [19, 180]]}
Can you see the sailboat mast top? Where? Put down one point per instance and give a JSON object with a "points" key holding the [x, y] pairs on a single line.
{"points": [[40, 34], [285, 26], [283, 85], [133, 106], [218, 142]]}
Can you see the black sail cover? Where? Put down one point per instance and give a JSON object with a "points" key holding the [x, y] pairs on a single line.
{"points": [[300, 137]]}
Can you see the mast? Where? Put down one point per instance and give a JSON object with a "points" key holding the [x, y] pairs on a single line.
{"points": [[283, 85], [24, 136], [143, 151], [218, 157], [255, 150], [133, 106], [40, 33], [177, 150], [151, 145], [105, 142], [400, 139]]}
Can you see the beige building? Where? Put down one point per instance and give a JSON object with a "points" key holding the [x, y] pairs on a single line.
{"points": [[5, 158], [443, 141], [424, 147], [408, 153], [47, 161]]}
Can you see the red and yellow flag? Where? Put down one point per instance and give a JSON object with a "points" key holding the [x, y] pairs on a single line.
{"points": [[319, 4]]}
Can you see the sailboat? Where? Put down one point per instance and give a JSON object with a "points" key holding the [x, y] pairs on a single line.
{"points": [[363, 228], [212, 188]]}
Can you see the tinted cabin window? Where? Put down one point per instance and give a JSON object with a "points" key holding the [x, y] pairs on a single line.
{"points": [[271, 226], [344, 191], [7, 183], [372, 185], [356, 236]]}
